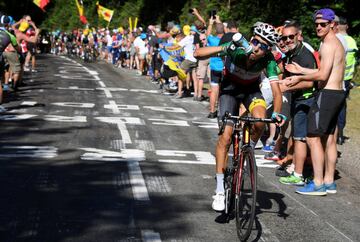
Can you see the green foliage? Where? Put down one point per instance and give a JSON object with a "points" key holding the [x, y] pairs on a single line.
{"points": [[63, 14]]}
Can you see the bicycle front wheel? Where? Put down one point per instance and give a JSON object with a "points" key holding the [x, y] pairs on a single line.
{"points": [[245, 199]]}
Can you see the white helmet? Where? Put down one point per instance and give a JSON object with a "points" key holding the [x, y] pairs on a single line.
{"points": [[267, 32]]}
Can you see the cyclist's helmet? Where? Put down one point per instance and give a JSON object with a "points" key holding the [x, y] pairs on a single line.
{"points": [[267, 32]]}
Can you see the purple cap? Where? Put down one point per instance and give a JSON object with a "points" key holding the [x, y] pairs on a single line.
{"points": [[326, 14]]}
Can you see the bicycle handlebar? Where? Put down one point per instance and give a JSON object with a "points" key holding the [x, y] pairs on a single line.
{"points": [[248, 119]]}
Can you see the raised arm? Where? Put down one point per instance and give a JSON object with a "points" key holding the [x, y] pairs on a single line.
{"points": [[205, 52], [198, 16]]}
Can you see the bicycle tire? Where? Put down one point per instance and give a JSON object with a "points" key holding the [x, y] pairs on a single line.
{"points": [[245, 199]]}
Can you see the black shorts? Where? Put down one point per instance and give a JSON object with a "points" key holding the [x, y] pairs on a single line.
{"points": [[31, 48], [324, 112], [250, 96], [166, 72], [156, 62]]}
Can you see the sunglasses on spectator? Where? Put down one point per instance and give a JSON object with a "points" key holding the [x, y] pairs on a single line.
{"points": [[256, 42], [202, 39], [323, 25], [286, 37]]}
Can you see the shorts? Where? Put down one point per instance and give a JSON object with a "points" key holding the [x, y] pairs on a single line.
{"points": [[216, 77], [250, 98], [167, 73], [14, 62], [142, 56], [109, 49], [156, 62], [202, 68], [188, 66], [31, 48], [299, 114], [324, 112]]}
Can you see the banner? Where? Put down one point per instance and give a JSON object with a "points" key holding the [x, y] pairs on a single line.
{"points": [[104, 13], [41, 3], [80, 6]]}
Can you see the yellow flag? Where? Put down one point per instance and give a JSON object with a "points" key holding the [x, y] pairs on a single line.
{"points": [[41, 3], [104, 13]]}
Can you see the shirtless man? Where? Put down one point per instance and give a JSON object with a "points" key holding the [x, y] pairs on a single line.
{"points": [[325, 110]]}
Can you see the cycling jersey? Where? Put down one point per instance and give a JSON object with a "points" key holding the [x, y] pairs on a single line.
{"points": [[238, 74]]}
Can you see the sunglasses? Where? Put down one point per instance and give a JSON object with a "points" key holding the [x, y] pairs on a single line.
{"points": [[202, 39], [286, 37], [323, 25], [256, 42]]}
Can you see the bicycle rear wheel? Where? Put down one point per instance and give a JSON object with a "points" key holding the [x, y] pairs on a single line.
{"points": [[245, 199]]}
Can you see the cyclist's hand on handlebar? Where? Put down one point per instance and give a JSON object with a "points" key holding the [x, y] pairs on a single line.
{"points": [[278, 118]]}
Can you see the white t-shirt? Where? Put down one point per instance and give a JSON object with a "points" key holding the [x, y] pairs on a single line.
{"points": [[108, 40], [188, 44], [139, 43]]}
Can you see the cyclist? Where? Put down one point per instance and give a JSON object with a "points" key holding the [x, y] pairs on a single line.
{"points": [[240, 84]]}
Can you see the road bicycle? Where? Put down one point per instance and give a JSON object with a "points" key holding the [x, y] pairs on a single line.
{"points": [[240, 178]]}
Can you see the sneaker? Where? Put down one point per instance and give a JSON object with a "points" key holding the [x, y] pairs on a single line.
{"points": [[281, 172], [33, 70], [274, 156], [330, 188], [2, 109], [212, 115], [219, 202], [292, 180], [311, 189], [26, 69], [268, 148]]}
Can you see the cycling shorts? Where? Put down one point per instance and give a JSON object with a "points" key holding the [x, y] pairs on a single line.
{"points": [[230, 102]]}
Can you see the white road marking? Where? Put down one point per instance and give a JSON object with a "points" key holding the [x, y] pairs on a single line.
{"points": [[74, 105], [206, 125], [137, 182], [261, 162], [112, 89], [28, 103], [108, 155], [167, 122], [166, 109], [76, 88], [202, 157], [122, 106], [113, 107], [150, 236], [70, 119], [126, 120], [143, 90]]}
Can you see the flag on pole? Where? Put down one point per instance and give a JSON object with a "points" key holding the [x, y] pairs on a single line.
{"points": [[104, 13], [80, 6], [41, 3]]}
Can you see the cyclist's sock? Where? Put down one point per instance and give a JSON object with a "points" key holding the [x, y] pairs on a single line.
{"points": [[297, 174], [220, 182]]}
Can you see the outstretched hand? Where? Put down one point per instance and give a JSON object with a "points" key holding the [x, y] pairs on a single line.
{"points": [[294, 68], [291, 81]]}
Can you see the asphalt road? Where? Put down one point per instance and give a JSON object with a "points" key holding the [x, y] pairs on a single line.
{"points": [[93, 153]]}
